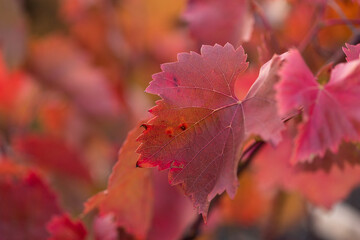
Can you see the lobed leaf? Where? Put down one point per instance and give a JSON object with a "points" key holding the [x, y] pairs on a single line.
{"points": [[200, 126], [330, 112]]}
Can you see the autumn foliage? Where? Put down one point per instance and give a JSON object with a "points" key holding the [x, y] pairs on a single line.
{"points": [[255, 124]]}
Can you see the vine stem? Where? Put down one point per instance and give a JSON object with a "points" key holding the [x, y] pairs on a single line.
{"points": [[314, 29], [325, 23], [321, 23], [343, 16]]}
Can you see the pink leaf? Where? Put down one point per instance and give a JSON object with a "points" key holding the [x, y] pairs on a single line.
{"points": [[200, 125], [330, 112], [352, 52], [323, 182], [219, 21]]}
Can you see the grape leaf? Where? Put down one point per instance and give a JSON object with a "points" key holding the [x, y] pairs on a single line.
{"points": [[63, 228], [219, 21], [129, 195], [330, 112], [26, 205], [352, 52], [323, 182], [199, 125]]}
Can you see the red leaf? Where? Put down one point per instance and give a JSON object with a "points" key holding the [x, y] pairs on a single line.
{"points": [[26, 205], [129, 195], [324, 182], [330, 112], [63, 228], [352, 52], [219, 21], [53, 154], [200, 125]]}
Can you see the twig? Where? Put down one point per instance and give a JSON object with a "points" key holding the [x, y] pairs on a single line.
{"points": [[324, 23], [339, 11], [314, 29]]}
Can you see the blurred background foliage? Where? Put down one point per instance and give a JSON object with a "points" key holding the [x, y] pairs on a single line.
{"points": [[72, 80]]}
